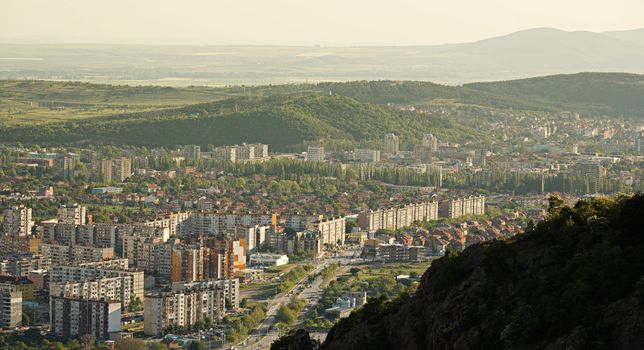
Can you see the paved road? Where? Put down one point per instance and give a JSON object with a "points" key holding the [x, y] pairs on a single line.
{"points": [[263, 337]]}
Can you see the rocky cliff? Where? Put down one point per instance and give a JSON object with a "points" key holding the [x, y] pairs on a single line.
{"points": [[575, 281]]}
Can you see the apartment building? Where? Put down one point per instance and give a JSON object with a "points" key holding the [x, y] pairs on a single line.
{"points": [[61, 254], [75, 317], [228, 153], [10, 307], [104, 288], [64, 167], [457, 207], [397, 217], [298, 222], [392, 144], [366, 155], [315, 154], [399, 253], [331, 230], [102, 170], [254, 236], [131, 281], [205, 223], [192, 151], [17, 221], [592, 170], [27, 244], [121, 169], [73, 214], [177, 223], [19, 264], [183, 307], [304, 242], [100, 235]]}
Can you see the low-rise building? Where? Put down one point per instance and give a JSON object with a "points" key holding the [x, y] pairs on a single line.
{"points": [[266, 259]]}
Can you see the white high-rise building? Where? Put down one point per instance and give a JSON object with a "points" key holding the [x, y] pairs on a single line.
{"points": [[366, 155], [192, 151], [73, 214], [315, 154], [430, 141], [17, 221], [392, 144]]}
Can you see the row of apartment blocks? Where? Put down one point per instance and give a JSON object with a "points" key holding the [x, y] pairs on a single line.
{"points": [[455, 208], [397, 217], [17, 221], [108, 279], [234, 153]]}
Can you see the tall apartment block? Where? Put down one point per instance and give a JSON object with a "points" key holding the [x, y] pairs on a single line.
{"points": [[10, 308], [182, 307], [102, 170], [64, 167], [121, 169], [192, 151], [592, 170], [17, 221], [73, 214], [392, 144], [75, 317], [228, 153]]}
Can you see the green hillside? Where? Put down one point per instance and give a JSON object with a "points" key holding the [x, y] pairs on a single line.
{"points": [[287, 116], [613, 94], [281, 121]]}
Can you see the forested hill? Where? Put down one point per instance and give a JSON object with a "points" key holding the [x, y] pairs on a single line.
{"points": [[575, 281], [283, 122], [286, 116], [613, 94]]}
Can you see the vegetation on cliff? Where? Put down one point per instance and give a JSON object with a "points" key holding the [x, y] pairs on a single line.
{"points": [[574, 281]]}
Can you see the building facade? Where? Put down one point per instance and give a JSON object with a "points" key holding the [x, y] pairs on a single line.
{"points": [[75, 317], [17, 221]]}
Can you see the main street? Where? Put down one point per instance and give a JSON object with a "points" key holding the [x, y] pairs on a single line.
{"points": [[263, 336]]}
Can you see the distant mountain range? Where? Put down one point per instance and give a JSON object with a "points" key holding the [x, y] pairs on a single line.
{"points": [[527, 53]]}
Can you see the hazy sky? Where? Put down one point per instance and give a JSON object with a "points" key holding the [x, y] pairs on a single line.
{"points": [[324, 22]]}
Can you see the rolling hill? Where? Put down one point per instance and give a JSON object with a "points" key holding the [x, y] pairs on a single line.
{"points": [[283, 122], [287, 116]]}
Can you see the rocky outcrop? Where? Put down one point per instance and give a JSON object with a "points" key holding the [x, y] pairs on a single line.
{"points": [[574, 282]]}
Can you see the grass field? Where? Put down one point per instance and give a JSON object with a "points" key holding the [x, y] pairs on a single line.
{"points": [[35, 102]]}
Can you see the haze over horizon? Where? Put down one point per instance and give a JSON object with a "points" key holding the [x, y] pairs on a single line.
{"points": [[291, 22]]}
